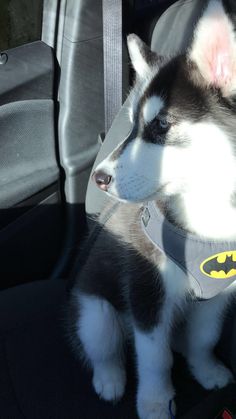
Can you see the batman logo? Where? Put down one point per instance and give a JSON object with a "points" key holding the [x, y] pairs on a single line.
{"points": [[222, 265]]}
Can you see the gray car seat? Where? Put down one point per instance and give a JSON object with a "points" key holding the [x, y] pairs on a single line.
{"points": [[40, 377]]}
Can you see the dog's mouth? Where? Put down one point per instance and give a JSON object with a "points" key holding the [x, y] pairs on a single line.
{"points": [[121, 194], [134, 187]]}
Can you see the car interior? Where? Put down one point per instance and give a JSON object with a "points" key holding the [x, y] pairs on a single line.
{"points": [[53, 116]]}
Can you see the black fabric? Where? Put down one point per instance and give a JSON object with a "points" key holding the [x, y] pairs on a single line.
{"points": [[8, 403], [31, 240], [214, 404], [41, 378], [193, 401]]}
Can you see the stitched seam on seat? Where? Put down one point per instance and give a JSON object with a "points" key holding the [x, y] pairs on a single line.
{"points": [[83, 40]]}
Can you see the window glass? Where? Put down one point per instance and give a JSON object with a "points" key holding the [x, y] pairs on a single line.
{"points": [[20, 22]]}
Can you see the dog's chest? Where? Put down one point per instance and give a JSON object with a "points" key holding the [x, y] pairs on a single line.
{"points": [[125, 223], [177, 284]]}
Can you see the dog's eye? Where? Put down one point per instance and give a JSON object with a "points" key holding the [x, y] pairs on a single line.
{"points": [[156, 130], [163, 124]]}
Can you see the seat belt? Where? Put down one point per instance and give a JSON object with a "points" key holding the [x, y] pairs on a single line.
{"points": [[112, 59]]}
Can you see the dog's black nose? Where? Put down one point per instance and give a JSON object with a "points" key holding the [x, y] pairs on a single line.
{"points": [[102, 180]]}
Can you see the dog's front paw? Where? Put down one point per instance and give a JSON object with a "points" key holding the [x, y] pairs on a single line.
{"points": [[109, 382], [213, 375], [148, 409]]}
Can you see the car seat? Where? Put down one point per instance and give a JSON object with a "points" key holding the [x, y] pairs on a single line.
{"points": [[40, 376]]}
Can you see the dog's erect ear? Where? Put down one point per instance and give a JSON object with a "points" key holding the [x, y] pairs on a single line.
{"points": [[142, 58], [214, 48]]}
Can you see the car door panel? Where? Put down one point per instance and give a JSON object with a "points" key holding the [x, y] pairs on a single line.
{"points": [[31, 215]]}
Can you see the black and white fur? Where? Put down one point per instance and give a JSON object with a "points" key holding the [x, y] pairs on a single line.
{"points": [[181, 154]]}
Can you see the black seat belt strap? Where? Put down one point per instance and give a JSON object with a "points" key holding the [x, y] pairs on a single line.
{"points": [[112, 58]]}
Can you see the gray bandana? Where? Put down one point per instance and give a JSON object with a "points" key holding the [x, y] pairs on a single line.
{"points": [[211, 264]]}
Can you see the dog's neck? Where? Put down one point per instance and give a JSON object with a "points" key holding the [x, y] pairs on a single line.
{"points": [[193, 254], [210, 216]]}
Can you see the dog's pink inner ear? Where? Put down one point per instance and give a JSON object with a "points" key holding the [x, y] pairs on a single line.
{"points": [[214, 48], [220, 61]]}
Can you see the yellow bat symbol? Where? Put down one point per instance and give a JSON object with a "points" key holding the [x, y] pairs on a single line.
{"points": [[222, 265]]}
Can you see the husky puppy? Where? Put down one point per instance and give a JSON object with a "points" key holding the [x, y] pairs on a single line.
{"points": [[181, 155]]}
